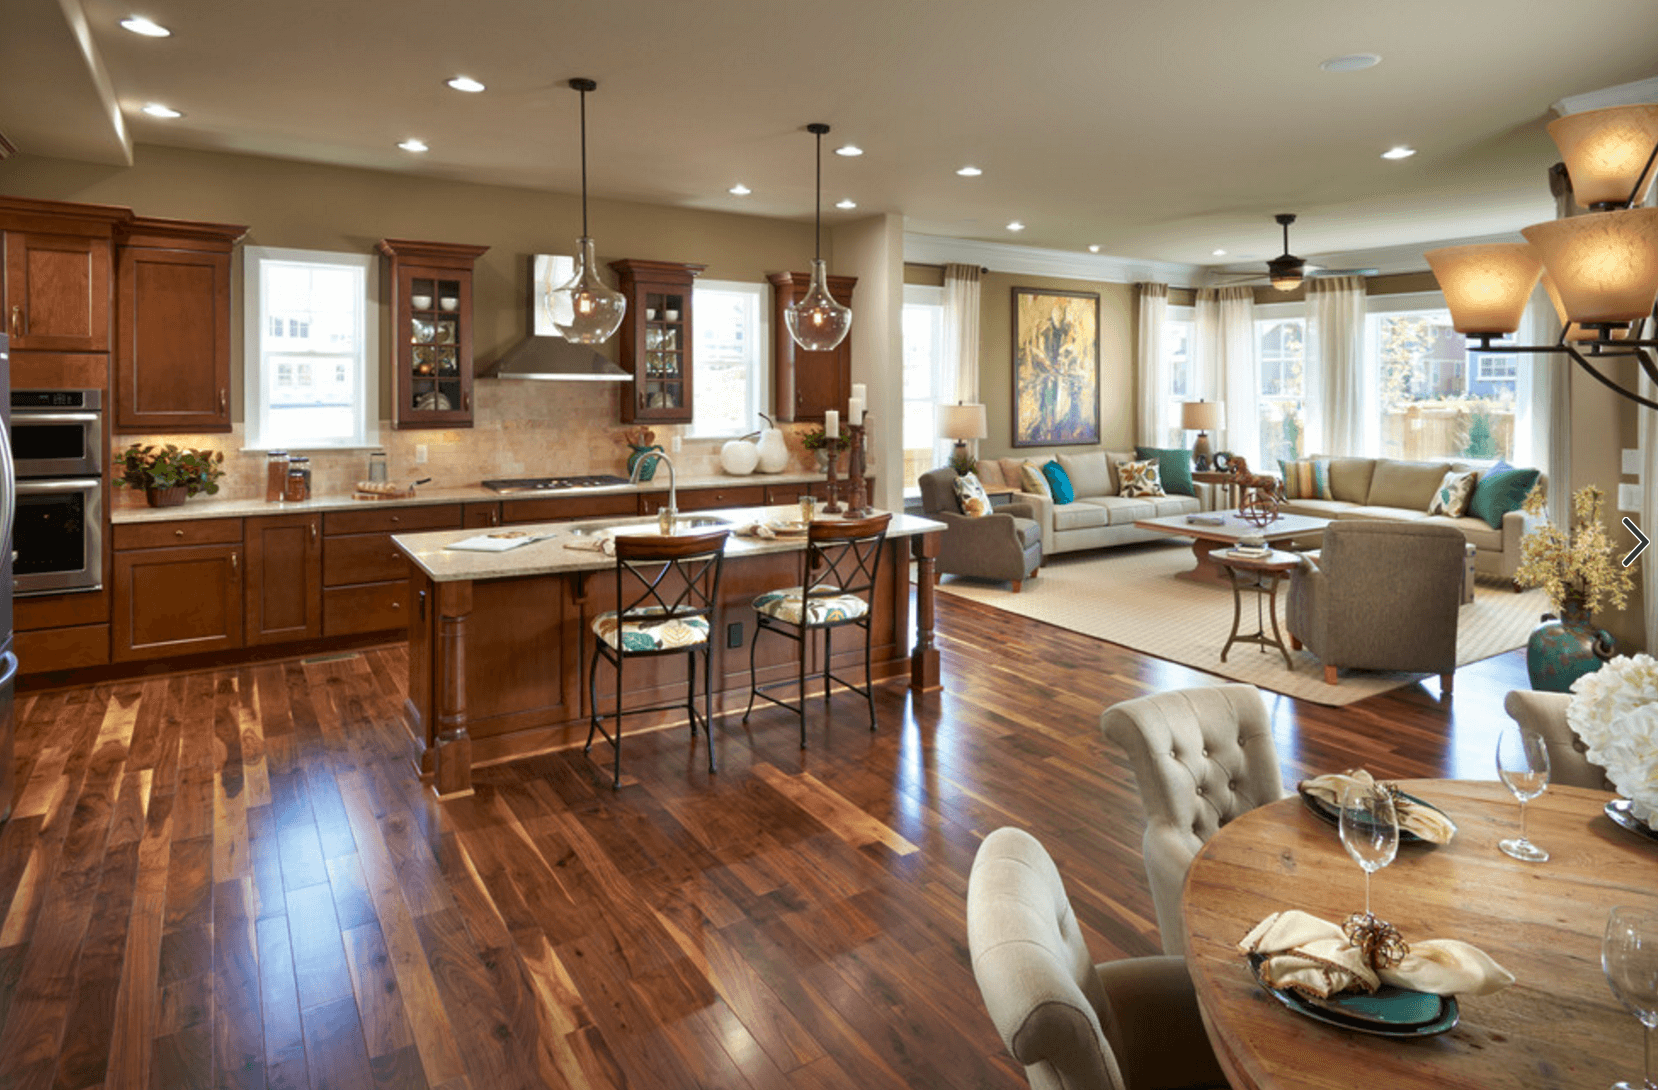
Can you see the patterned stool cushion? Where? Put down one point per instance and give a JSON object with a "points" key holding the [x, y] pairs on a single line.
{"points": [[827, 609], [646, 635]]}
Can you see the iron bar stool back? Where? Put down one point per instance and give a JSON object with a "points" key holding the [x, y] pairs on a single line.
{"points": [[842, 561], [667, 590]]}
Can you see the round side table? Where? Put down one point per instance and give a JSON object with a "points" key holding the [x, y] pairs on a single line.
{"points": [[1261, 575]]}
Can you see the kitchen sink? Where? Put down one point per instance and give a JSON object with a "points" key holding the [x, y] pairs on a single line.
{"points": [[648, 525]]}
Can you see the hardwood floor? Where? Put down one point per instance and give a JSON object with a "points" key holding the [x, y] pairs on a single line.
{"points": [[233, 878]]}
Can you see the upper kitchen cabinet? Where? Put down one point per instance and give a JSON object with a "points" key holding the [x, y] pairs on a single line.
{"points": [[656, 339], [805, 384], [172, 325], [57, 274], [431, 292]]}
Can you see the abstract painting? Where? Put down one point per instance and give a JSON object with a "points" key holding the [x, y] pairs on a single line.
{"points": [[1056, 367]]}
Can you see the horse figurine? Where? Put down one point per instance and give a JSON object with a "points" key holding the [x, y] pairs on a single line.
{"points": [[1258, 493]]}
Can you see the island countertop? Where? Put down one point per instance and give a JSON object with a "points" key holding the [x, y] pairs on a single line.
{"points": [[554, 552]]}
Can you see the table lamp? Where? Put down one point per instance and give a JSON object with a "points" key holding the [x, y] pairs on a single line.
{"points": [[961, 422], [1202, 417]]}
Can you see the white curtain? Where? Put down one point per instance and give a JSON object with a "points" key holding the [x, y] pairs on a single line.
{"points": [[961, 347], [1225, 358], [1335, 356], [1648, 439], [1157, 426]]}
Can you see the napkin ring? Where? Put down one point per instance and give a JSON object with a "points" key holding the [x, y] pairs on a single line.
{"points": [[1379, 941]]}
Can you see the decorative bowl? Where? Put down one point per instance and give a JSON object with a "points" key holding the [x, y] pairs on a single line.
{"points": [[421, 302], [449, 302]]}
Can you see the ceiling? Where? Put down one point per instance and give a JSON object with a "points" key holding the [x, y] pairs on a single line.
{"points": [[1159, 131]]}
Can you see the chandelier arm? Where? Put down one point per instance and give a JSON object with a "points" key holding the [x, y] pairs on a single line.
{"points": [[1647, 365], [1635, 193], [1608, 383]]}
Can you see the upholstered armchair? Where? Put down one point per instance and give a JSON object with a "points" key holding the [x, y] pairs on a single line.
{"points": [[1569, 761], [1201, 757], [1005, 544], [1382, 596], [1122, 1025]]}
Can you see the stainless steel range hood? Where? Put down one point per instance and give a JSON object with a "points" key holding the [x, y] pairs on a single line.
{"points": [[544, 354]]}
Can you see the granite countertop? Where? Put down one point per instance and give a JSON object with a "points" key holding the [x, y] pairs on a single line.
{"points": [[553, 555], [211, 508]]}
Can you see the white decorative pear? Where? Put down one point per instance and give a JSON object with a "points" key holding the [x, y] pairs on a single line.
{"points": [[774, 452], [739, 457]]}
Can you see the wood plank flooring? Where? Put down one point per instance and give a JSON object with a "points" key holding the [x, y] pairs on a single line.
{"points": [[234, 878]]}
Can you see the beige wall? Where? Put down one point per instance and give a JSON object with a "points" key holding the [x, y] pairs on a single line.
{"points": [[872, 249]]}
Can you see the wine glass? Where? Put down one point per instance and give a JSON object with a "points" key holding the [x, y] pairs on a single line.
{"points": [[1523, 764], [1629, 957], [1369, 830]]}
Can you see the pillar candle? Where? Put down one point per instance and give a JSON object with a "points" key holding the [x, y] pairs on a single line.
{"points": [[831, 424], [860, 392], [855, 411]]}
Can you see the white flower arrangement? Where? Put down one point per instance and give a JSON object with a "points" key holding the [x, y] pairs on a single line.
{"points": [[1615, 711]]}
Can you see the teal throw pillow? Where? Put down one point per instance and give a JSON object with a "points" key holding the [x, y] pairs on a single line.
{"points": [[1059, 482], [1174, 468], [1500, 492]]}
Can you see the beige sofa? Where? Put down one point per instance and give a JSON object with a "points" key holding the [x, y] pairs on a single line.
{"points": [[1383, 488], [1097, 516]]}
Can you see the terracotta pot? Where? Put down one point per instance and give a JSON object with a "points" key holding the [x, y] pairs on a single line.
{"points": [[167, 497]]}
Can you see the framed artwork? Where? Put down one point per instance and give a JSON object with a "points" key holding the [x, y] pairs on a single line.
{"points": [[1056, 367]]}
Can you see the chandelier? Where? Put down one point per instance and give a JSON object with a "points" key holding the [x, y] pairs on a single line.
{"points": [[818, 323], [1599, 268], [585, 310]]}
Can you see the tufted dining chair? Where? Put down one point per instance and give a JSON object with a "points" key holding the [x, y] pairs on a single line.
{"points": [[1545, 713], [1201, 757], [1121, 1025]]}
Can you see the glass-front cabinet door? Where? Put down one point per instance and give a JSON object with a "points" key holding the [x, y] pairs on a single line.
{"points": [[431, 332], [656, 339]]}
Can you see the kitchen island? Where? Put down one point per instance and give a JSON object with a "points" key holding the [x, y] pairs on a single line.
{"points": [[499, 643]]}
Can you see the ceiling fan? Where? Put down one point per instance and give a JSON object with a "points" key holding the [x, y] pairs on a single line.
{"points": [[1286, 271]]}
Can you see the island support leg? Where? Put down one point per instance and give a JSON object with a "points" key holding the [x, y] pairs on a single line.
{"points": [[924, 659], [453, 764]]}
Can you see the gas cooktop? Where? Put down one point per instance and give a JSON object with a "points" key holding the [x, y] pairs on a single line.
{"points": [[553, 484]]}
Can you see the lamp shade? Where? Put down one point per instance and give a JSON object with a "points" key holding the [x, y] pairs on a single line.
{"points": [[1202, 415], [1577, 332], [1486, 286], [1605, 265], [1606, 151], [965, 421]]}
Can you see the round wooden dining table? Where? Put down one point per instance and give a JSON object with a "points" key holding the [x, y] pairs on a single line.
{"points": [[1557, 1025]]}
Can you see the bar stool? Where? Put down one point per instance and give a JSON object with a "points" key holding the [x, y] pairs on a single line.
{"points": [[667, 589], [842, 560]]}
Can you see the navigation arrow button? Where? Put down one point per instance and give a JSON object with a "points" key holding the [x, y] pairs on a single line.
{"points": [[1642, 541]]}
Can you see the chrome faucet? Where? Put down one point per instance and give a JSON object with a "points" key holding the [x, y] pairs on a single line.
{"points": [[673, 488]]}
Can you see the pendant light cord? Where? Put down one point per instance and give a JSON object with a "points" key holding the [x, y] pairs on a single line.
{"points": [[584, 164], [817, 228]]}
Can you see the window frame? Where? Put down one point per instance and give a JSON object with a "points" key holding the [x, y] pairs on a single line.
{"points": [[760, 362], [255, 410], [933, 296], [1267, 313]]}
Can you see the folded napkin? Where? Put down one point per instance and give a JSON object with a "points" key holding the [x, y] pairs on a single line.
{"points": [[756, 529], [593, 543], [1424, 821], [1314, 956]]}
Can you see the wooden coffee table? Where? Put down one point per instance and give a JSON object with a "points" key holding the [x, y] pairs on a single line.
{"points": [[1209, 536]]}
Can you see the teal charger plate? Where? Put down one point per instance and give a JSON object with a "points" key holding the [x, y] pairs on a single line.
{"points": [[1332, 815], [1388, 1012]]}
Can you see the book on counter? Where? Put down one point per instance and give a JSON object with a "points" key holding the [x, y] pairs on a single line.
{"points": [[1253, 552], [1206, 520]]}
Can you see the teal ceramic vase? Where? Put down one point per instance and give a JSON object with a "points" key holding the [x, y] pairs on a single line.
{"points": [[1563, 649], [650, 467]]}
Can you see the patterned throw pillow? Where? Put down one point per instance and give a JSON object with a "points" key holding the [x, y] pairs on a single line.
{"points": [[1453, 494], [970, 496], [1141, 478], [1031, 480], [1059, 482], [1308, 479]]}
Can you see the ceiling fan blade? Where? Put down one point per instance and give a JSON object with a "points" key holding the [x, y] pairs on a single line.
{"points": [[1314, 270]]}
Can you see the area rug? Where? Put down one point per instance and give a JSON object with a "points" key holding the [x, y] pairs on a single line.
{"points": [[1129, 596]]}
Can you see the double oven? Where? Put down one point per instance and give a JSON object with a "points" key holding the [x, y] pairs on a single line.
{"points": [[58, 448]]}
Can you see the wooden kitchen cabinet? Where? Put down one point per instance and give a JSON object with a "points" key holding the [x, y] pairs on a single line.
{"points": [[656, 340], [57, 291], [365, 579], [704, 499], [183, 600], [172, 314], [284, 578], [431, 342], [805, 384]]}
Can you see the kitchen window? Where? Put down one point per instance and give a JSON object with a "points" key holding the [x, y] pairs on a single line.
{"points": [[310, 350], [728, 364]]}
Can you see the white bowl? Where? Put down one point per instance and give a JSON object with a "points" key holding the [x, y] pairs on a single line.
{"points": [[421, 302], [650, 315], [671, 315], [449, 303]]}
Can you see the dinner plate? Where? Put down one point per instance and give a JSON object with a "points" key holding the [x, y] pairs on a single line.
{"points": [[1620, 811], [1386, 1012], [433, 402], [789, 528], [1332, 814]]}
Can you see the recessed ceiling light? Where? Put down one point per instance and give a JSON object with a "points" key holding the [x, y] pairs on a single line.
{"points": [[1015, 226], [466, 83], [970, 172], [846, 202], [413, 144], [1351, 62], [1401, 151], [156, 109], [147, 27], [1218, 253], [739, 190], [1094, 249], [851, 151]]}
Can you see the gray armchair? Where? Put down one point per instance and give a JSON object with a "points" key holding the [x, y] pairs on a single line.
{"points": [[1382, 596], [1005, 544]]}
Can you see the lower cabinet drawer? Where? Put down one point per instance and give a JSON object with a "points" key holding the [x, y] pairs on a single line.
{"points": [[47, 649], [361, 558], [369, 607]]}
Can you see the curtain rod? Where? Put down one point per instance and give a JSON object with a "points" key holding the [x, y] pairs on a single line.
{"points": [[937, 265]]}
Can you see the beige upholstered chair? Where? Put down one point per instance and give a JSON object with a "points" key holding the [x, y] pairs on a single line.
{"points": [[1122, 1025], [1201, 757], [1005, 544], [1545, 713], [1383, 596]]}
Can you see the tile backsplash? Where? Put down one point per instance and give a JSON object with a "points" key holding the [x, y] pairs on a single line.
{"points": [[520, 429]]}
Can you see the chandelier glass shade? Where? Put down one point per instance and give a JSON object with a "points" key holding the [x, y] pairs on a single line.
{"points": [[1608, 152], [816, 322], [584, 310], [1486, 286], [1604, 264]]}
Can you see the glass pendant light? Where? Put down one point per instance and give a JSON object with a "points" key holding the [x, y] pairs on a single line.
{"points": [[584, 310], [818, 323]]}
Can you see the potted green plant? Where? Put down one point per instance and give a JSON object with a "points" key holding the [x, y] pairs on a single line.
{"points": [[820, 445], [169, 475]]}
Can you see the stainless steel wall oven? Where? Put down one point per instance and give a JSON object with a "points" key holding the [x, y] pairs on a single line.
{"points": [[57, 440]]}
